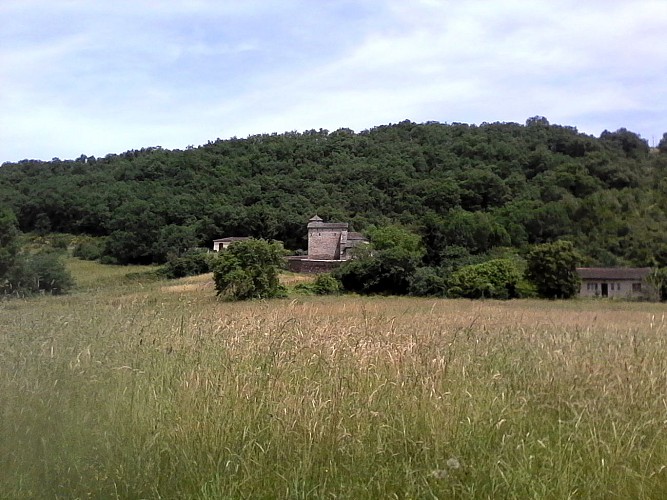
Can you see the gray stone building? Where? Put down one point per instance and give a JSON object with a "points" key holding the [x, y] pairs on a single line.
{"points": [[331, 240], [329, 244]]}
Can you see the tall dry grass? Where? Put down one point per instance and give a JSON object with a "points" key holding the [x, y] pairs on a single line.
{"points": [[159, 390]]}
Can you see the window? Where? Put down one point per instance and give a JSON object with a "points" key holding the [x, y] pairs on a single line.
{"points": [[611, 286], [636, 287], [618, 286]]}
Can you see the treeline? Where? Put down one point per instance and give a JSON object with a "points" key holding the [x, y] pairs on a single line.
{"points": [[466, 189]]}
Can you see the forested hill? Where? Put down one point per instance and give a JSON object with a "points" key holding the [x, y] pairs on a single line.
{"points": [[462, 187]]}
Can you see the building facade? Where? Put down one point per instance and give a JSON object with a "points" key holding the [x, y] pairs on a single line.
{"points": [[621, 282], [223, 243], [331, 240], [329, 245]]}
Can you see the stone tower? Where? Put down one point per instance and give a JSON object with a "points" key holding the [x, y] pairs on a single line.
{"points": [[325, 239]]}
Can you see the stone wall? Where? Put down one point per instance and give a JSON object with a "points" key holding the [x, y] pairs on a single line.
{"points": [[324, 242], [305, 265]]}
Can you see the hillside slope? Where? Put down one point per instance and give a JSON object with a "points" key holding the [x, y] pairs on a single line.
{"points": [[476, 187]]}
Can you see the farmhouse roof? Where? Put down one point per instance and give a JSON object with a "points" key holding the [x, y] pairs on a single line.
{"points": [[613, 273], [232, 239]]}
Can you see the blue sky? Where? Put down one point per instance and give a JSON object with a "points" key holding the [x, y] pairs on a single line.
{"points": [[104, 76]]}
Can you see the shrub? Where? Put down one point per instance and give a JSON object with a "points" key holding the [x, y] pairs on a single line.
{"points": [[658, 280], [249, 270], [386, 265], [497, 279], [109, 260], [9, 246], [358, 275], [43, 272], [89, 249], [326, 284], [49, 273], [427, 282], [304, 289], [552, 267], [60, 241], [191, 264]]}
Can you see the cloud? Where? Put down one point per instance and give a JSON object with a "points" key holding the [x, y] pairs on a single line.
{"points": [[99, 77]]}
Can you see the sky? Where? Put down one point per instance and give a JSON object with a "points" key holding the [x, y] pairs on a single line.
{"points": [[96, 77]]}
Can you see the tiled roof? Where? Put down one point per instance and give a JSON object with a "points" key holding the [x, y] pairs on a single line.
{"points": [[613, 273], [232, 238], [352, 235]]}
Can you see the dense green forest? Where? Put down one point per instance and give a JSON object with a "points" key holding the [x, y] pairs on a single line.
{"points": [[466, 189]]}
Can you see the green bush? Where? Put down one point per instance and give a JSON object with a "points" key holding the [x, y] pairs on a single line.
{"points": [[191, 264], [25, 273], [494, 279], [428, 282], [49, 274], [60, 241], [386, 265], [249, 270], [552, 268], [43, 272], [658, 280], [9, 243], [359, 274], [109, 260], [89, 249], [326, 284]]}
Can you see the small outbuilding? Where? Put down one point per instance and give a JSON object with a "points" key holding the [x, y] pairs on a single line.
{"points": [[621, 282], [223, 243]]}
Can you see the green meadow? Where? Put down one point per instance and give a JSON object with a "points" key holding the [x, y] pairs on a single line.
{"points": [[132, 387]]}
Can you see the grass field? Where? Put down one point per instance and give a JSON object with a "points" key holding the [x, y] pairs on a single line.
{"points": [[136, 388]]}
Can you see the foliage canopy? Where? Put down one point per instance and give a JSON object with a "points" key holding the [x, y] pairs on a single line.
{"points": [[8, 241], [475, 187], [25, 273], [494, 279], [386, 265], [552, 268], [249, 269]]}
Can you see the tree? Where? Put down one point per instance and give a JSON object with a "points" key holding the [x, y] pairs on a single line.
{"points": [[249, 270], [552, 267], [662, 145], [384, 266], [630, 143], [135, 230], [535, 121], [428, 282], [494, 279], [477, 232], [22, 274], [658, 279], [519, 185], [43, 272], [325, 284], [8, 242]]}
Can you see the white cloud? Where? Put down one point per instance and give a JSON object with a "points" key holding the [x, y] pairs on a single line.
{"points": [[106, 76]]}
